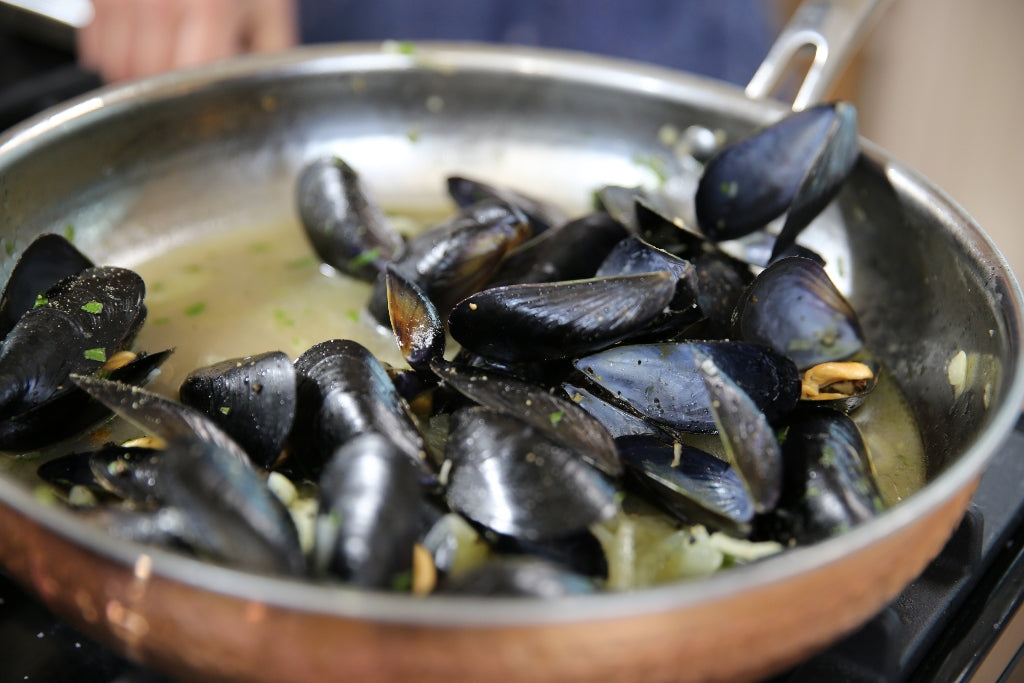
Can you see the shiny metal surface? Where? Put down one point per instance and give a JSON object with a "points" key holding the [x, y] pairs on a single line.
{"points": [[162, 161]]}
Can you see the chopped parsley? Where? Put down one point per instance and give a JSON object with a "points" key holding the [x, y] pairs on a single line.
{"points": [[69, 232], [40, 301], [556, 417], [353, 315], [97, 354], [9, 247], [195, 309], [225, 410], [282, 319], [93, 307], [300, 263], [364, 259]]}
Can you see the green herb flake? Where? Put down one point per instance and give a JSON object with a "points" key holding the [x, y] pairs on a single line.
{"points": [[195, 309], [162, 320], [301, 263], [353, 315], [404, 47], [282, 318], [9, 247], [156, 287], [413, 134], [40, 301], [97, 354], [94, 307], [556, 417], [402, 581], [193, 268], [69, 232], [260, 247], [224, 410], [364, 259]]}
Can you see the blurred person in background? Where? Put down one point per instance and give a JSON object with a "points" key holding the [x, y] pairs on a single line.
{"points": [[134, 38]]}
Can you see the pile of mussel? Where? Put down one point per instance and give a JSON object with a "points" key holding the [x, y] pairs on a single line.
{"points": [[594, 353]]}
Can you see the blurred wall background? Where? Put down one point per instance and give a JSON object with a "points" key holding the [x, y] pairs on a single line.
{"points": [[939, 85]]}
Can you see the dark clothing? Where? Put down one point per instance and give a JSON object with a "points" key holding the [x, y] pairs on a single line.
{"points": [[724, 39]]}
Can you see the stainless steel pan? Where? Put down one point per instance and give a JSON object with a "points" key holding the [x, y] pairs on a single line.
{"points": [[138, 167]]}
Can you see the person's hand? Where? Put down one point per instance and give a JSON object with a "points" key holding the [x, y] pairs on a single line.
{"points": [[134, 38]]}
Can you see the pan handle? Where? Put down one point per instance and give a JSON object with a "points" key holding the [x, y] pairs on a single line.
{"points": [[834, 29]]}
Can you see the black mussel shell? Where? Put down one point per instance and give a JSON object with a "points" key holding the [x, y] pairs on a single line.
{"points": [[558, 418], [45, 262], [70, 470], [159, 416], [828, 484], [616, 421], [662, 383], [253, 399], [370, 513], [71, 410], [85, 320], [519, 576], [346, 227], [542, 215], [721, 281], [418, 328], [128, 472], [229, 513], [751, 182], [507, 476], [693, 485], [749, 440], [834, 163], [457, 257], [793, 307], [572, 252], [671, 234], [559, 319], [345, 391]]}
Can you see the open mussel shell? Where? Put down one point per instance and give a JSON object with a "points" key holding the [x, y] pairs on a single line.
{"points": [[344, 224], [253, 399], [230, 514], [509, 477], [828, 484], [370, 515], [751, 182], [159, 416], [661, 382], [71, 410], [841, 385], [793, 307], [749, 440], [46, 261], [616, 421], [418, 328], [559, 319], [542, 215], [571, 252], [558, 418], [80, 322], [344, 391], [833, 164], [519, 576], [457, 257], [691, 484]]}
